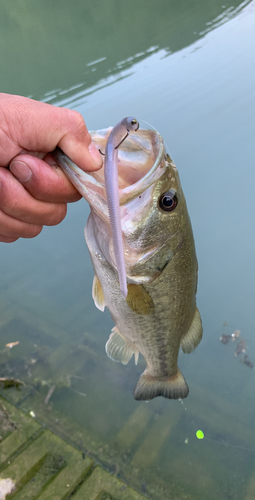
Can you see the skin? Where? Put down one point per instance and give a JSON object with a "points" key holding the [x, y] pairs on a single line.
{"points": [[116, 137], [32, 193]]}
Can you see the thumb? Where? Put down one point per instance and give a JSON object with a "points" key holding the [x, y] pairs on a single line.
{"points": [[39, 127]]}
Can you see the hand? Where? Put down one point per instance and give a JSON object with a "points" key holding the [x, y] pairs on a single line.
{"points": [[34, 191]]}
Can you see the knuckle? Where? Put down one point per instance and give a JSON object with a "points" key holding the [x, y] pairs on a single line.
{"points": [[57, 214], [77, 117], [79, 123], [9, 199]]}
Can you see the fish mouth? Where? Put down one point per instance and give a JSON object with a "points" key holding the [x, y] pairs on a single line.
{"points": [[139, 158]]}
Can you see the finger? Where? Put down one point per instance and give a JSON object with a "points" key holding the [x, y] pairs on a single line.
{"points": [[12, 229], [42, 181], [36, 126], [88, 159], [7, 239], [18, 203]]}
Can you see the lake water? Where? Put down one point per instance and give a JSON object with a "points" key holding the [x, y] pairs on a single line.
{"points": [[188, 68]]}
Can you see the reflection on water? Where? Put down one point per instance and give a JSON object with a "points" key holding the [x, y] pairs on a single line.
{"points": [[187, 68], [55, 49]]}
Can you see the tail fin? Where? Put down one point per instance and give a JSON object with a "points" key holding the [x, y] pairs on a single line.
{"points": [[149, 387]]}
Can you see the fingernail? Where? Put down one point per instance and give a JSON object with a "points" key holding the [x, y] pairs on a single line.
{"points": [[20, 170], [95, 155]]}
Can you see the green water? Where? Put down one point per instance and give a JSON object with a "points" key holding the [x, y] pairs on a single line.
{"points": [[187, 68]]}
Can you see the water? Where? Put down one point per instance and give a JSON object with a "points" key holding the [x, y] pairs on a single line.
{"points": [[188, 69]]}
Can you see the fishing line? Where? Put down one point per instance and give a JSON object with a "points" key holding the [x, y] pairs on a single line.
{"points": [[181, 401], [122, 140], [200, 435], [150, 125]]}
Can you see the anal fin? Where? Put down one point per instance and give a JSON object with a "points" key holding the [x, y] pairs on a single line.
{"points": [[149, 387], [193, 336], [97, 294], [119, 349]]}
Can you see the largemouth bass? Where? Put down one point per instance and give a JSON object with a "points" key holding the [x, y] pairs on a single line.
{"points": [[159, 313]]}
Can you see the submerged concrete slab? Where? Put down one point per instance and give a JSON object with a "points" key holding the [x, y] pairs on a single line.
{"points": [[102, 485], [35, 463]]}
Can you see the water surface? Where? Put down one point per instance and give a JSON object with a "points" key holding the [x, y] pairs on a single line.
{"points": [[188, 69]]}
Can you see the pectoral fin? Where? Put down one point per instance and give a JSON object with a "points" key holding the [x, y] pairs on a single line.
{"points": [[139, 300], [193, 336], [119, 349], [97, 294]]}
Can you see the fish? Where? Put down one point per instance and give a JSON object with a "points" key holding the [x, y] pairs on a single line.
{"points": [[159, 314]]}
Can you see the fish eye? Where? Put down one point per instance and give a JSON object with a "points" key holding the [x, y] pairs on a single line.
{"points": [[133, 121], [168, 201]]}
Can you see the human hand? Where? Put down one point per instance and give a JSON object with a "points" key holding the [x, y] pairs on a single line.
{"points": [[32, 193]]}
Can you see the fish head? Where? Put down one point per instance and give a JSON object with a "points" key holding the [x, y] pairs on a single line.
{"points": [[154, 217]]}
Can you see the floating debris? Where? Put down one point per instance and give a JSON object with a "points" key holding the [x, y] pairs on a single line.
{"points": [[248, 362], [32, 361], [10, 382], [78, 392], [225, 338], [12, 344], [49, 394], [241, 347], [235, 335], [6, 486], [32, 414]]}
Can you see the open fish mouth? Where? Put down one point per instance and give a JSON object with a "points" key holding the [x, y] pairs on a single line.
{"points": [[139, 157]]}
